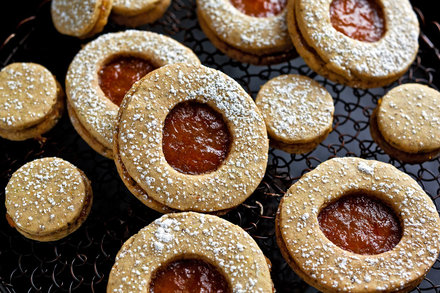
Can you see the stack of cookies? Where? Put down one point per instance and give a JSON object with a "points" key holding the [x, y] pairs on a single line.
{"points": [[188, 141]]}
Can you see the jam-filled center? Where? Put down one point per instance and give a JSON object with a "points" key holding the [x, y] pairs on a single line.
{"points": [[117, 76], [360, 224], [196, 140], [260, 8], [362, 20], [189, 276]]}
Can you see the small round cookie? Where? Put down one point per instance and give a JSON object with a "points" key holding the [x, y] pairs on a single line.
{"points": [[298, 112], [247, 30], [135, 13], [363, 44], [80, 18], [31, 101], [185, 247], [48, 199], [406, 123], [197, 142], [384, 228], [104, 70]]}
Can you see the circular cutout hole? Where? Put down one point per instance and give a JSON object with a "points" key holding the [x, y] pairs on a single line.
{"points": [[362, 20], [361, 224], [118, 75], [188, 275], [196, 139], [260, 8]]}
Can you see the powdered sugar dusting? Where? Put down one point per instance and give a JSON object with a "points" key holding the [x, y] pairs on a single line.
{"points": [[74, 17]]}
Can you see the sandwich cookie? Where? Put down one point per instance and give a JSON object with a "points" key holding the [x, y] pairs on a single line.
{"points": [[406, 123], [135, 13], [104, 70], [362, 44], [298, 112], [190, 138], [353, 225], [31, 101], [190, 252], [48, 199], [249, 31], [80, 18]]}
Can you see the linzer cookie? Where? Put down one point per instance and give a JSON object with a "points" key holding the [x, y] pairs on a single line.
{"points": [[365, 44], [298, 112], [31, 101], [353, 225], [190, 138], [190, 252], [104, 70], [134, 13], [80, 18], [48, 199], [406, 123], [250, 31]]}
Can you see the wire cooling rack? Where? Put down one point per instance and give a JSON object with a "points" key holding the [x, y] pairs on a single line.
{"points": [[82, 261]]}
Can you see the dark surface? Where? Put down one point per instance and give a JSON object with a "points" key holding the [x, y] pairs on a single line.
{"points": [[82, 261]]}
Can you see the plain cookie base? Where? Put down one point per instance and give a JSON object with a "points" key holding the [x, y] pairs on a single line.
{"points": [[70, 227], [104, 12], [35, 131], [241, 56], [412, 158], [317, 64], [298, 148], [86, 135], [149, 16]]}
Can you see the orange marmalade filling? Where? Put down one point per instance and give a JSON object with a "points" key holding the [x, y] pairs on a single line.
{"points": [[260, 8], [362, 20], [189, 276], [360, 224], [196, 139], [117, 77]]}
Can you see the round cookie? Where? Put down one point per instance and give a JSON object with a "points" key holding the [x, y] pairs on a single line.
{"points": [[135, 13], [139, 148], [80, 18], [91, 112], [298, 112], [48, 199], [246, 38], [406, 123], [349, 61], [329, 268], [182, 236], [31, 101]]}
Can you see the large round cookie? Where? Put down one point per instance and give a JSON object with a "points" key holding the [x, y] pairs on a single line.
{"points": [[138, 146], [349, 61], [196, 236], [249, 39], [92, 113], [330, 268]]}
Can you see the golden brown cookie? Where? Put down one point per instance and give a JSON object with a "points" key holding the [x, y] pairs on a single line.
{"points": [[358, 60], [135, 13], [80, 18], [126, 54], [249, 31], [183, 238], [48, 199], [330, 268], [406, 123], [31, 101], [190, 138], [298, 112]]}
